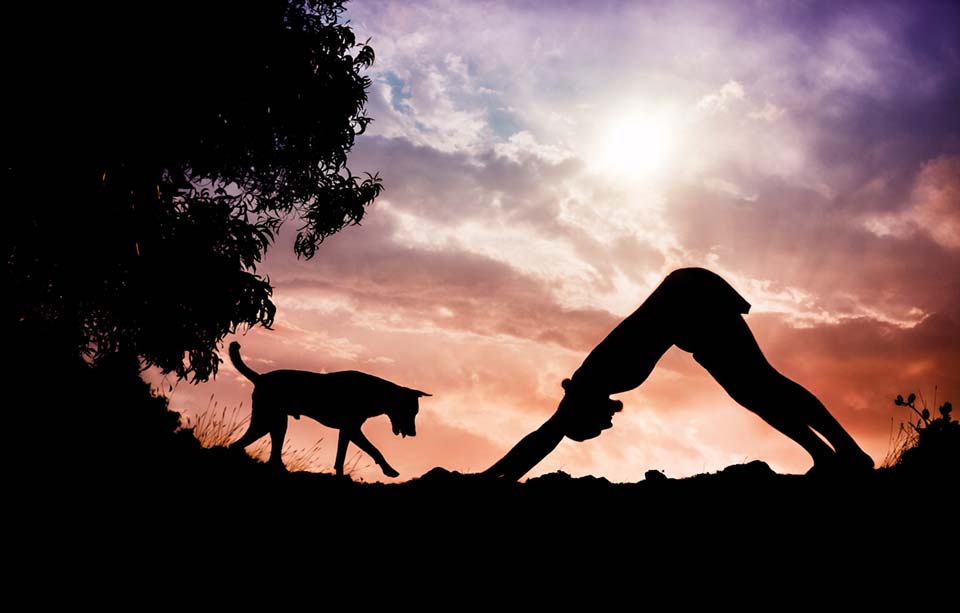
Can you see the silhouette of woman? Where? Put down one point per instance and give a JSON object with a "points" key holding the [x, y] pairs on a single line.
{"points": [[699, 312]]}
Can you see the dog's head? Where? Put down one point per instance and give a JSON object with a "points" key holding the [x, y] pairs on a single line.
{"points": [[403, 414]]}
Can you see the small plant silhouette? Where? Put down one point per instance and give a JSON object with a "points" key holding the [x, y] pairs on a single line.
{"points": [[930, 441]]}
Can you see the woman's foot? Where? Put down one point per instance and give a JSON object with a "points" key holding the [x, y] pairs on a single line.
{"points": [[843, 465]]}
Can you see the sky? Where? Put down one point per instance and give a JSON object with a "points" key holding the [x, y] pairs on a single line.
{"points": [[547, 163]]}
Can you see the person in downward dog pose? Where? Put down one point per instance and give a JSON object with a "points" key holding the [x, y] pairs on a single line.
{"points": [[700, 313]]}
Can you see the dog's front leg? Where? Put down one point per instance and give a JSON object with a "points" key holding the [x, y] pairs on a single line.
{"points": [[342, 444], [363, 443]]}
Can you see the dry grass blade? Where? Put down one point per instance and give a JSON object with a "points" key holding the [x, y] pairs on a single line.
{"points": [[220, 428]]}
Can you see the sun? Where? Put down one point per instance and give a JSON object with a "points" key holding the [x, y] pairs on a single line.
{"points": [[634, 146]]}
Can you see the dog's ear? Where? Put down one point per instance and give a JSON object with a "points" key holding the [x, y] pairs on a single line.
{"points": [[566, 384], [422, 394]]}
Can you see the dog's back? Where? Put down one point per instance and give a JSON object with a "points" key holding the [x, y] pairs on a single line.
{"points": [[305, 390]]}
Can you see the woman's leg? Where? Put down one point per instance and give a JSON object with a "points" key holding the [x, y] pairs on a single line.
{"points": [[730, 353]]}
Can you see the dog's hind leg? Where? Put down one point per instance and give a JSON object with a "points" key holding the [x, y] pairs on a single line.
{"points": [[342, 444], [259, 426], [278, 430]]}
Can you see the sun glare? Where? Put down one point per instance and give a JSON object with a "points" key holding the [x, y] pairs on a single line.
{"points": [[634, 146]]}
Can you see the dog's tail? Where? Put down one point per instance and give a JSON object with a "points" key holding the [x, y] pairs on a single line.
{"points": [[245, 370]]}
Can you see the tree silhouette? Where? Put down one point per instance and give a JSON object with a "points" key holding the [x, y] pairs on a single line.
{"points": [[152, 153]]}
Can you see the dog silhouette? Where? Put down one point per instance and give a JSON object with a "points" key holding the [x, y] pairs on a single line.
{"points": [[342, 400]]}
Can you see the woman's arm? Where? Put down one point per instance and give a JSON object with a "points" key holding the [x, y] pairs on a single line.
{"points": [[529, 451]]}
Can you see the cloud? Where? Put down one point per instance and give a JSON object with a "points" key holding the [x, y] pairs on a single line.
{"points": [[728, 188], [933, 210], [432, 289], [432, 113], [537, 215], [817, 246], [522, 144], [769, 112], [936, 201], [722, 99]]}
